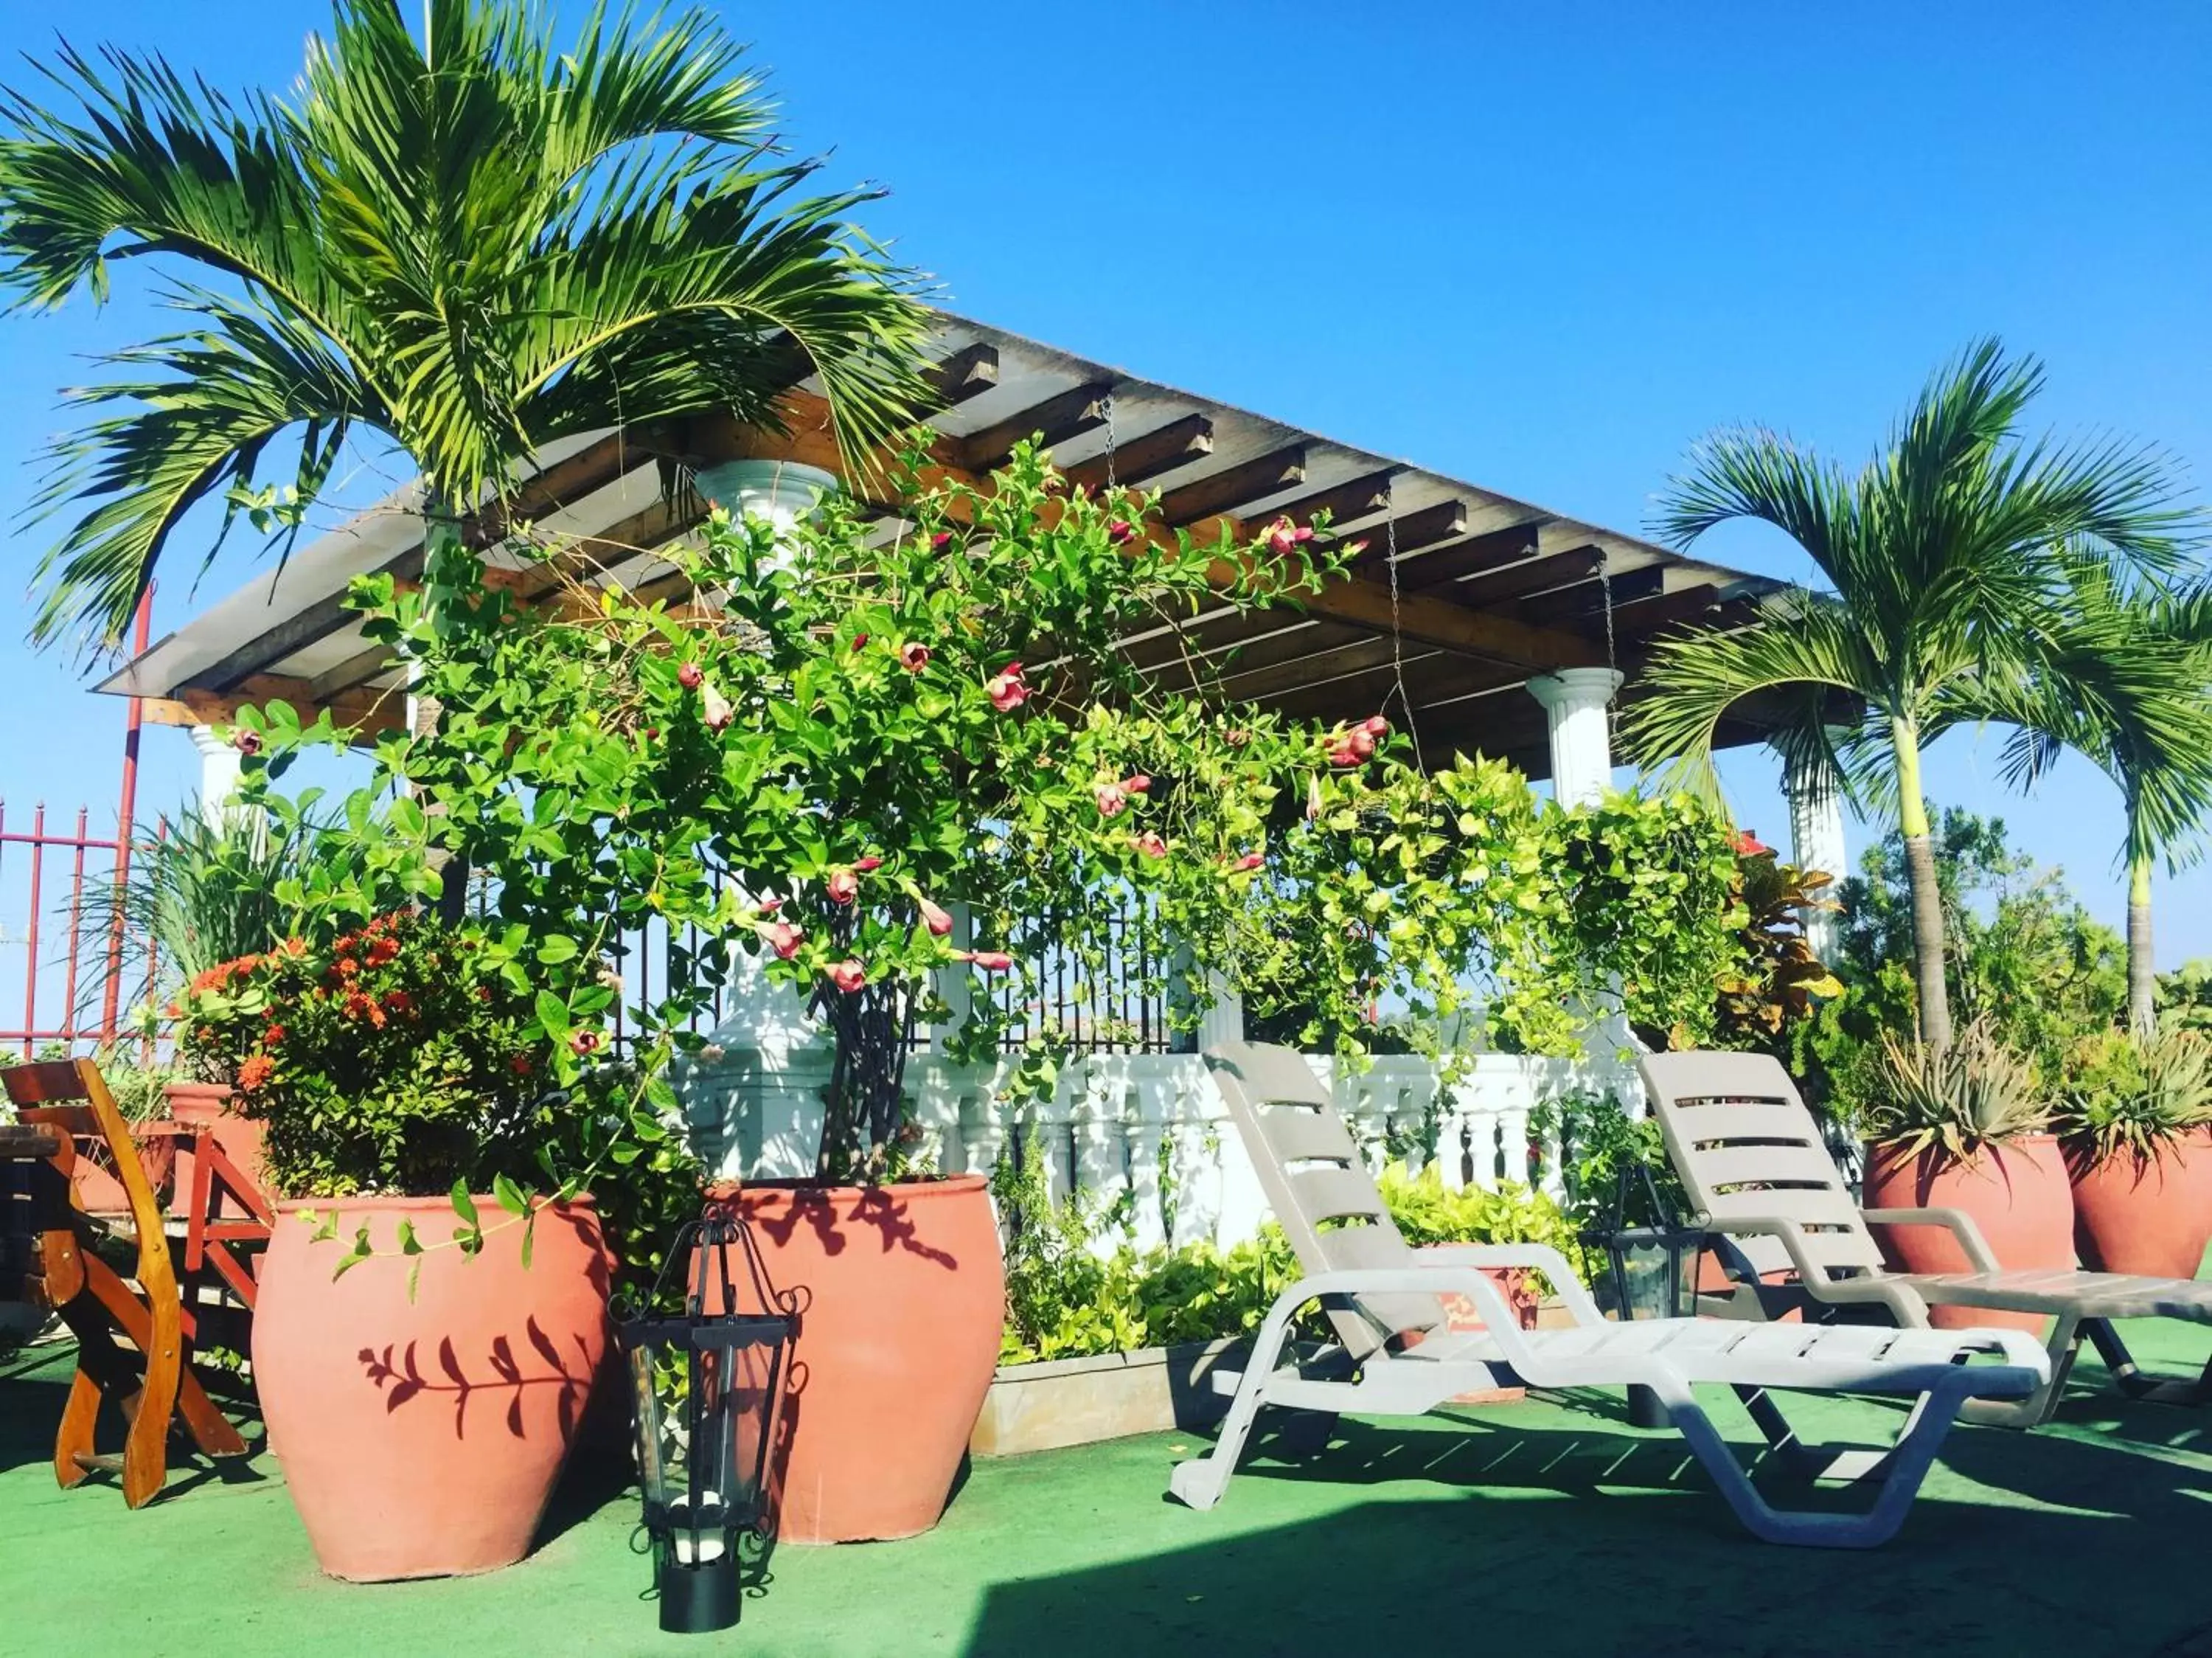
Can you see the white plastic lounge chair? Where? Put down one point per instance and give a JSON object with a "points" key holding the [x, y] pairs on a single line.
{"points": [[1753, 1159], [1377, 1291]]}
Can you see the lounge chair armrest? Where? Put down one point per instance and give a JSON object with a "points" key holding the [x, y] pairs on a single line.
{"points": [[1791, 1234], [1438, 1280], [1962, 1225], [1530, 1257]]}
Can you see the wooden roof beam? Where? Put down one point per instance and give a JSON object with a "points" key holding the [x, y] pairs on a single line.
{"points": [[1234, 488], [1163, 449], [1059, 418], [1530, 575], [1442, 522], [1436, 572], [1361, 497], [969, 372]]}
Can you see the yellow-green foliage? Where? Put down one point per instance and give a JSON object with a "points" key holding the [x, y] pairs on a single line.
{"points": [[1063, 1302]]}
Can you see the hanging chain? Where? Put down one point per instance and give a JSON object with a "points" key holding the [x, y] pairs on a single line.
{"points": [[1612, 654], [1397, 638], [1106, 413]]}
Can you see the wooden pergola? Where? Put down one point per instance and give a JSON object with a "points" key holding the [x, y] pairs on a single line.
{"points": [[1491, 591]]}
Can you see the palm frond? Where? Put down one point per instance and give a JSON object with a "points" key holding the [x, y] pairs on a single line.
{"points": [[1693, 681], [198, 412]]}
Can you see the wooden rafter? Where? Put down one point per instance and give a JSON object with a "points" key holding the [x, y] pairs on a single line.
{"points": [[1408, 533], [969, 372], [1346, 503], [1235, 488], [1530, 575], [1059, 418], [1590, 598], [1163, 449], [1435, 571]]}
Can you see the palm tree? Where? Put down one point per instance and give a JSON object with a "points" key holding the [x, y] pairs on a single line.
{"points": [[2124, 681], [473, 244], [1940, 556]]}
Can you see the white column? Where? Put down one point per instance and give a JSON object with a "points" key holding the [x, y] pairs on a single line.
{"points": [[1816, 842], [1575, 702], [220, 766]]}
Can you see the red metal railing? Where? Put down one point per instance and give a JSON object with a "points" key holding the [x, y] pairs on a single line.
{"points": [[86, 958]]}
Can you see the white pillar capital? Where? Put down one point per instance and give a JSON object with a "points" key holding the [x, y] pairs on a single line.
{"points": [[1577, 713], [782, 491], [219, 764]]}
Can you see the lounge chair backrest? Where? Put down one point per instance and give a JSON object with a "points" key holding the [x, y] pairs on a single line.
{"points": [[1740, 1136], [1317, 1183]]}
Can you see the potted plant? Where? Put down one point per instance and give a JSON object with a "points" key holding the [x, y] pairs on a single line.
{"points": [[2137, 1122], [428, 1327], [819, 774], [1967, 1129], [894, 778]]}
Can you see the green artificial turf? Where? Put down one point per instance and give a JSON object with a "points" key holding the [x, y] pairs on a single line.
{"points": [[1540, 1527]]}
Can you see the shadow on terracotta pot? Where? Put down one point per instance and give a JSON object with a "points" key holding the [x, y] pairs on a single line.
{"points": [[500, 1374]]}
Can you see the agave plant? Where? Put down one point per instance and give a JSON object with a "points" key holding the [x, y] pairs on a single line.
{"points": [[1955, 1099], [2138, 1097]]}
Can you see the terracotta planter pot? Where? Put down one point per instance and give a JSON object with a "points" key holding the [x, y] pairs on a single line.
{"points": [[1460, 1315], [97, 1186], [2018, 1194], [2148, 1215], [901, 1295], [207, 1105], [421, 1438]]}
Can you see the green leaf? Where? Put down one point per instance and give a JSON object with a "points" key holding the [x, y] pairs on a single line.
{"points": [[509, 1195], [465, 1205], [409, 1243], [559, 947], [529, 1237]]}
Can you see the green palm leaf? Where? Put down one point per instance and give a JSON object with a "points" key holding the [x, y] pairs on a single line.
{"points": [[470, 243]]}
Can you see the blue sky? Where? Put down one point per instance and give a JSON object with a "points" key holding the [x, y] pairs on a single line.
{"points": [[1541, 248]]}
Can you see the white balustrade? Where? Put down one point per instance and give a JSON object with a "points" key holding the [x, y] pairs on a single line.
{"points": [[1151, 1125]]}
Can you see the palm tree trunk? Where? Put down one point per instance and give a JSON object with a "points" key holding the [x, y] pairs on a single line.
{"points": [[2142, 976], [1935, 994]]}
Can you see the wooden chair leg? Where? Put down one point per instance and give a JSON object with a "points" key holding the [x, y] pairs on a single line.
{"points": [[73, 1443]]}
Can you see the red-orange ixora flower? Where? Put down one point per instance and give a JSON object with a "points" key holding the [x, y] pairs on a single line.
{"points": [[1748, 845], [272, 1035], [253, 1071], [520, 1064], [398, 1002]]}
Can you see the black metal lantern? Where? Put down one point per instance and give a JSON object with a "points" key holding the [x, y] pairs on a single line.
{"points": [[1650, 1271], [708, 1384]]}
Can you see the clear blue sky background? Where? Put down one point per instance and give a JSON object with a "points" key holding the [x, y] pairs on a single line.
{"points": [[1541, 248]]}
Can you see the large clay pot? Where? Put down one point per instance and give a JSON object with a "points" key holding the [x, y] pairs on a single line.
{"points": [[421, 1436], [2017, 1193], [99, 1189], [2148, 1215], [902, 1295], [207, 1107]]}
